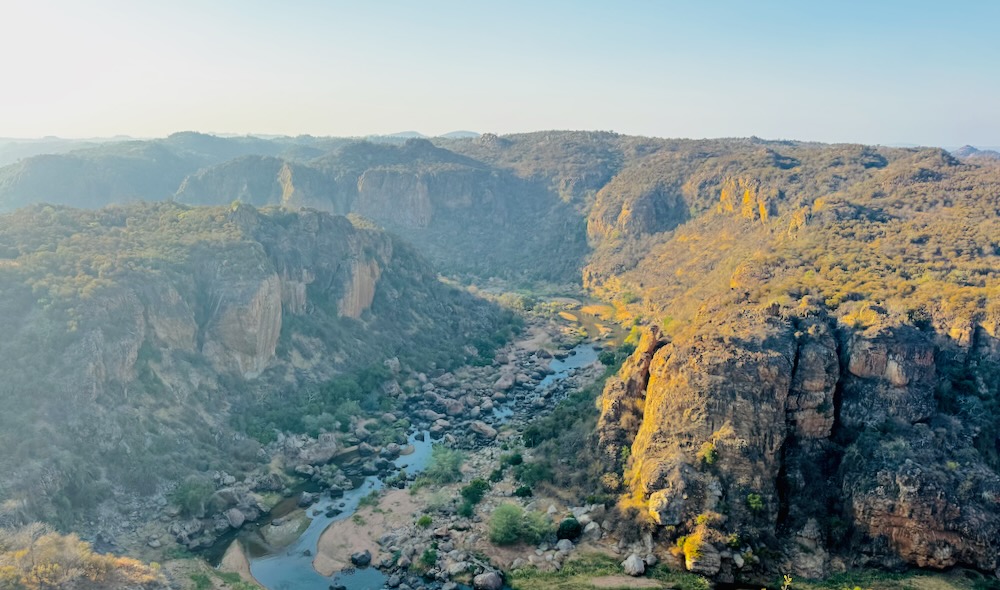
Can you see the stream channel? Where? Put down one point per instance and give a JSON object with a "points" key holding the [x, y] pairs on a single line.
{"points": [[291, 567]]}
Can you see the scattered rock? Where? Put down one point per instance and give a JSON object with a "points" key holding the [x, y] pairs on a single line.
{"points": [[483, 429], [235, 517], [634, 565], [488, 581], [504, 383], [361, 558]]}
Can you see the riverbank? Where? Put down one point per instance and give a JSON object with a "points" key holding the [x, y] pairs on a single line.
{"points": [[363, 530]]}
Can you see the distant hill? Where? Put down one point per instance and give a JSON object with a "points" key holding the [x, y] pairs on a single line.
{"points": [[407, 135], [12, 150], [970, 152], [460, 135]]}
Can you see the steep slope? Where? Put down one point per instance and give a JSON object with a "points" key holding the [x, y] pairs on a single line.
{"points": [[829, 347], [132, 333], [466, 216]]}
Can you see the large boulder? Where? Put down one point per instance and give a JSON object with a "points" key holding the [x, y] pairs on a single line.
{"points": [[634, 565], [320, 451], [483, 429], [235, 517], [361, 558], [706, 561], [504, 383], [488, 581]]}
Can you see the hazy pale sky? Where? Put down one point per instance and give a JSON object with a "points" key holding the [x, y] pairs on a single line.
{"points": [[904, 71]]}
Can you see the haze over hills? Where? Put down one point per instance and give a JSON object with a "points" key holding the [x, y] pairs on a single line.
{"points": [[816, 360]]}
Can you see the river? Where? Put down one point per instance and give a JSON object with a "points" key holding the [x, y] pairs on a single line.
{"points": [[291, 568]]}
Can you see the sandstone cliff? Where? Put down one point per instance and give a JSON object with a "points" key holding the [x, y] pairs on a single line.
{"points": [[125, 353], [825, 443]]}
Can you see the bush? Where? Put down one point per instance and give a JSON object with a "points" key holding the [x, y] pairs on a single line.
{"points": [[531, 474], [192, 495], [445, 466], [474, 492], [755, 502], [466, 510], [496, 475], [424, 521], [569, 528], [708, 454], [510, 524], [370, 500], [523, 492], [429, 557], [513, 459], [505, 524], [535, 528]]}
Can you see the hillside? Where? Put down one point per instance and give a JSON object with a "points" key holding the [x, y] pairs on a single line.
{"points": [[138, 337], [468, 217], [124, 171], [821, 359]]}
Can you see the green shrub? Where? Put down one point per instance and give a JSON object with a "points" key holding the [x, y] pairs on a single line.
{"points": [[466, 510], [569, 528], [512, 459], [535, 527], [496, 475], [506, 524], [532, 474], [755, 502], [369, 500], [192, 495], [474, 492], [523, 492], [510, 524], [445, 465], [708, 454], [424, 521], [429, 557]]}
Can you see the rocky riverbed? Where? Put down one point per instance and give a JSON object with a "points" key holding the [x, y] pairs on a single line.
{"points": [[314, 481]]}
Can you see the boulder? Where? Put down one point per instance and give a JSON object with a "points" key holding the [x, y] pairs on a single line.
{"points": [[504, 383], [634, 565], [453, 407], [707, 561], [320, 451], [483, 429], [391, 451], [235, 517], [488, 581], [457, 568], [361, 558]]}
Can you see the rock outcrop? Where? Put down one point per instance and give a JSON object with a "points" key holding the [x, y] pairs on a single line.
{"points": [[225, 305], [769, 433]]}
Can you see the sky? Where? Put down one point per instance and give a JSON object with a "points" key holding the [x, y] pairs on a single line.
{"points": [[885, 72]]}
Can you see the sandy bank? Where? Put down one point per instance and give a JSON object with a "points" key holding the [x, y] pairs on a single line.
{"points": [[396, 509]]}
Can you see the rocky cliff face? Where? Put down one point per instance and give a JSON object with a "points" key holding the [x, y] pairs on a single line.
{"points": [[130, 370], [827, 444]]}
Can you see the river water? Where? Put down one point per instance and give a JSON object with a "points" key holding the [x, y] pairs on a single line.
{"points": [[291, 568]]}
